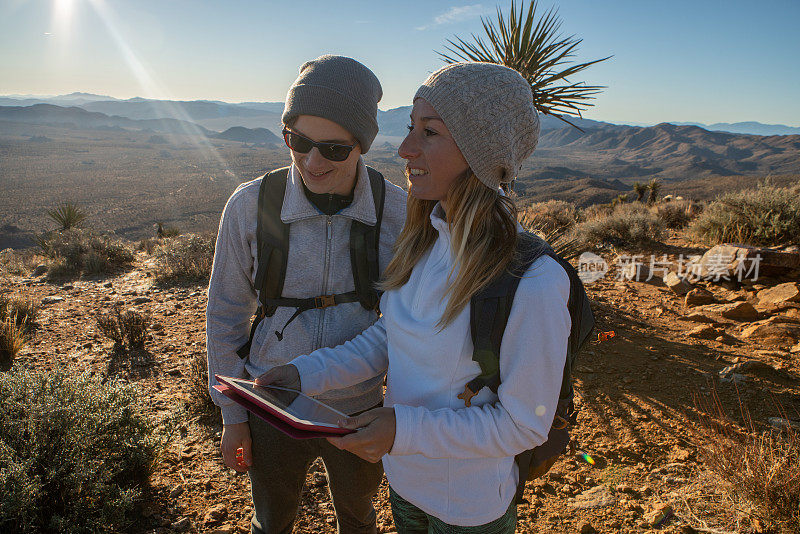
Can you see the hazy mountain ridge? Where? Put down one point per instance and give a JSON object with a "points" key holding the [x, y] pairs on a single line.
{"points": [[48, 114]]}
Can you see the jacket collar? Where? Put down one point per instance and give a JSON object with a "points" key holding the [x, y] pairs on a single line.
{"points": [[297, 207]]}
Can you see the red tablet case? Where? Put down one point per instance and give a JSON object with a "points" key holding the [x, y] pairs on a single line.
{"points": [[290, 428]]}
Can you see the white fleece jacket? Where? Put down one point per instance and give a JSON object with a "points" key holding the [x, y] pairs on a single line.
{"points": [[453, 462]]}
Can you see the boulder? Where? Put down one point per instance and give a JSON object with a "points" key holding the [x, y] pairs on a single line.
{"points": [[738, 262], [679, 285], [780, 294], [737, 311], [215, 513], [698, 297], [772, 333]]}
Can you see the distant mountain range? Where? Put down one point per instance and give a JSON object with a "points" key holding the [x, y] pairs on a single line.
{"points": [[595, 158], [217, 115]]}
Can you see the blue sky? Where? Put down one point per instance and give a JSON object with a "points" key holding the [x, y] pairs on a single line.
{"points": [[705, 61]]}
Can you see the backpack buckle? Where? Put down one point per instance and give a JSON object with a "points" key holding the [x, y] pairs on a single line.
{"points": [[325, 301]]}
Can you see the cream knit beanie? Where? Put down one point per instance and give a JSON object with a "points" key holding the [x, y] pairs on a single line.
{"points": [[489, 110]]}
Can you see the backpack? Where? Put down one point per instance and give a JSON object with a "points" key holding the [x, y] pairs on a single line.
{"points": [[489, 311], [273, 253]]}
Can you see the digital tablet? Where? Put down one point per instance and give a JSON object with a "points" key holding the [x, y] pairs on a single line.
{"points": [[288, 406]]}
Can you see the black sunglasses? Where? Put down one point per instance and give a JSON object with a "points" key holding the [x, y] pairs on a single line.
{"points": [[331, 151]]}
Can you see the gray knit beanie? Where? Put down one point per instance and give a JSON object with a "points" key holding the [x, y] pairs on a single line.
{"points": [[339, 89], [489, 111]]}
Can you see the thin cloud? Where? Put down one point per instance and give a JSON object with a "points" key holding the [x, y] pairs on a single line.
{"points": [[456, 14]]}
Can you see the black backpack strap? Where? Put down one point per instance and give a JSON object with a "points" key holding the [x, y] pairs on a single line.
{"points": [[489, 312], [272, 247], [364, 242]]}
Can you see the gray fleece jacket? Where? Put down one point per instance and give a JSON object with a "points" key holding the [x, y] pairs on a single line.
{"points": [[319, 264]]}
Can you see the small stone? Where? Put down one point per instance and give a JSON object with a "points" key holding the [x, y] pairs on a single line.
{"points": [[107, 284], [704, 332], [586, 528], [40, 270], [699, 317], [142, 300], [698, 297], [596, 497], [216, 513], [680, 286], [734, 378], [781, 423], [659, 515], [624, 488], [182, 525], [67, 287], [176, 491], [51, 300]]}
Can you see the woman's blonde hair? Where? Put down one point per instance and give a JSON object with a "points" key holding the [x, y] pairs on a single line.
{"points": [[483, 229]]}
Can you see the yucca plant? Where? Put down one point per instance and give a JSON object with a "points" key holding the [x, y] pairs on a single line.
{"points": [[67, 215], [534, 47], [640, 189], [654, 186]]}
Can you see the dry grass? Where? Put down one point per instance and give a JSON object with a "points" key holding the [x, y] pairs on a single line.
{"points": [[199, 400], [758, 472], [186, 259], [677, 214], [24, 311], [128, 327], [12, 340]]}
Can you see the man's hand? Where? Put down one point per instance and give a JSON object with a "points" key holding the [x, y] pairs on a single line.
{"points": [[285, 376], [235, 437], [374, 437]]}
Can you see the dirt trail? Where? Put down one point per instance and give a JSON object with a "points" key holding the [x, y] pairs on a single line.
{"points": [[637, 395]]}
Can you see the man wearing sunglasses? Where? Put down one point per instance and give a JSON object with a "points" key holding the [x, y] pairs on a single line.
{"points": [[324, 199]]}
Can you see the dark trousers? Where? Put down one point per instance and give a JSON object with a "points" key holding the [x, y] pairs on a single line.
{"points": [[278, 473]]}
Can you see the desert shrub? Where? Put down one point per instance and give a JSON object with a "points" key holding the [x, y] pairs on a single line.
{"points": [[758, 471], [675, 214], [627, 225], [23, 311], [19, 262], [595, 211], [12, 339], [766, 215], [148, 245], [75, 453], [166, 231], [199, 400], [185, 259], [549, 216], [128, 327], [67, 216], [75, 252]]}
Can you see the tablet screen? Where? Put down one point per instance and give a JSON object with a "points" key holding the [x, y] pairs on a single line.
{"points": [[297, 406]]}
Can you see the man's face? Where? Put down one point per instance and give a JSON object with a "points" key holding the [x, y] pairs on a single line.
{"points": [[319, 174]]}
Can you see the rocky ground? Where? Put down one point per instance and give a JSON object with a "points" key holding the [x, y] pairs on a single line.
{"points": [[637, 454]]}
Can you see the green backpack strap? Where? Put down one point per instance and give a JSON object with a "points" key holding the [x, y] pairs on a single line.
{"points": [[364, 243]]}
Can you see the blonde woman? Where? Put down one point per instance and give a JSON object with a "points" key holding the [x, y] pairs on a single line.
{"points": [[451, 467]]}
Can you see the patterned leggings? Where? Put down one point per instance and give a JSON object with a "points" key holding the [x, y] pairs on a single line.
{"points": [[411, 520]]}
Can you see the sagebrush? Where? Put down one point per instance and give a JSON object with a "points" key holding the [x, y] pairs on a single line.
{"points": [[764, 216], [74, 252], [549, 216], [75, 453], [627, 225], [185, 259], [125, 327]]}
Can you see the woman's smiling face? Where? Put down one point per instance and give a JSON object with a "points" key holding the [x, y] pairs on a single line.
{"points": [[434, 161]]}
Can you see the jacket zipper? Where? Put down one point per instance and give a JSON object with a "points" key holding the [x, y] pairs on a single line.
{"points": [[328, 238]]}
